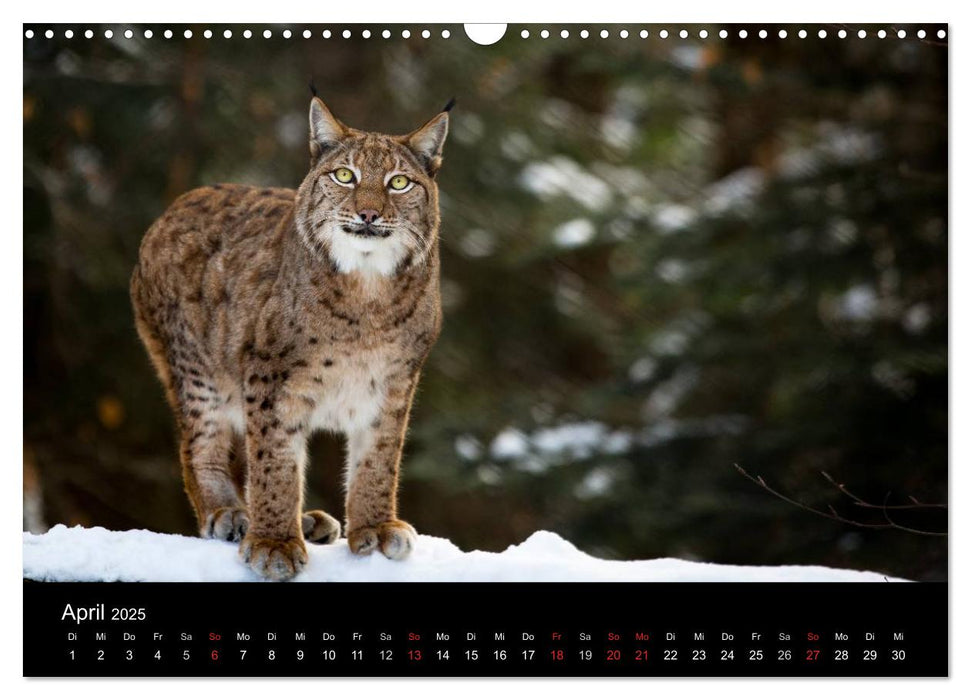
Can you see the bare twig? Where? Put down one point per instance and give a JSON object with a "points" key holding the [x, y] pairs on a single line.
{"points": [[857, 501], [832, 514], [890, 520]]}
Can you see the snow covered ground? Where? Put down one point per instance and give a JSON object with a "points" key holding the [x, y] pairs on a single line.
{"points": [[96, 554]]}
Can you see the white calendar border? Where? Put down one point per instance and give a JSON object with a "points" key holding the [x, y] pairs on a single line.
{"points": [[456, 11]]}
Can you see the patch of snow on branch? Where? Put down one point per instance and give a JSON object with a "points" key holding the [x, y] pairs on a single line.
{"points": [[96, 554], [510, 444], [562, 176], [560, 444], [735, 193], [574, 233], [837, 144], [669, 218]]}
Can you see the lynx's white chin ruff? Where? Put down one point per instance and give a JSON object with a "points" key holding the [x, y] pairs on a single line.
{"points": [[353, 253]]}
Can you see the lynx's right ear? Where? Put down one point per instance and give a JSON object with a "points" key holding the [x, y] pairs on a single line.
{"points": [[325, 130], [427, 142]]}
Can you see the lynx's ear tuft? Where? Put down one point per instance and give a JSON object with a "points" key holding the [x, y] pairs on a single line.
{"points": [[428, 141], [325, 130]]}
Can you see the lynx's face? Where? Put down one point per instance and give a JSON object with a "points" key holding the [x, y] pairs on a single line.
{"points": [[370, 202]]}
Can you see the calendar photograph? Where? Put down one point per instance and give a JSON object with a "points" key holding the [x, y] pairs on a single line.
{"points": [[329, 304]]}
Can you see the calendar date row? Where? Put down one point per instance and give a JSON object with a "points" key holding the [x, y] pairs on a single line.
{"points": [[473, 655]]}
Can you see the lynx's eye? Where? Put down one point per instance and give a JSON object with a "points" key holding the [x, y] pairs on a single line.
{"points": [[343, 175], [399, 183]]}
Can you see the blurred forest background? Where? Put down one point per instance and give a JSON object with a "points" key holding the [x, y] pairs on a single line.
{"points": [[661, 258]]}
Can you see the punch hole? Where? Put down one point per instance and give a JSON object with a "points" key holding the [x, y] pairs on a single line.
{"points": [[485, 34]]}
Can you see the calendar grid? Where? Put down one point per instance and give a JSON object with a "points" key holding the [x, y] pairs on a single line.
{"points": [[508, 629]]}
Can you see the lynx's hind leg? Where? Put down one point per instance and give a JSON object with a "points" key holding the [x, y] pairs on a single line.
{"points": [[320, 527], [213, 467], [228, 524], [231, 523], [209, 451], [208, 475]]}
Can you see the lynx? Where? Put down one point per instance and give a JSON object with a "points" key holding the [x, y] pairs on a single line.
{"points": [[271, 313]]}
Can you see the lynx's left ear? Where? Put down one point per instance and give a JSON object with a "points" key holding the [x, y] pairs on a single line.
{"points": [[325, 129], [428, 141]]}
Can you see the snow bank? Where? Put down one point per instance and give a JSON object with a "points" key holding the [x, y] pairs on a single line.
{"points": [[96, 554]]}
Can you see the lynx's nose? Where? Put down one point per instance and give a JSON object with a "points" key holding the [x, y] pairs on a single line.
{"points": [[368, 216]]}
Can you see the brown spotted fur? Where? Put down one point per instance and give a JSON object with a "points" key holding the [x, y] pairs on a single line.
{"points": [[260, 337]]}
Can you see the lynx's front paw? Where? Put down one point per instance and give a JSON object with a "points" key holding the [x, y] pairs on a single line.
{"points": [[320, 527], [395, 539], [274, 559], [228, 524]]}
